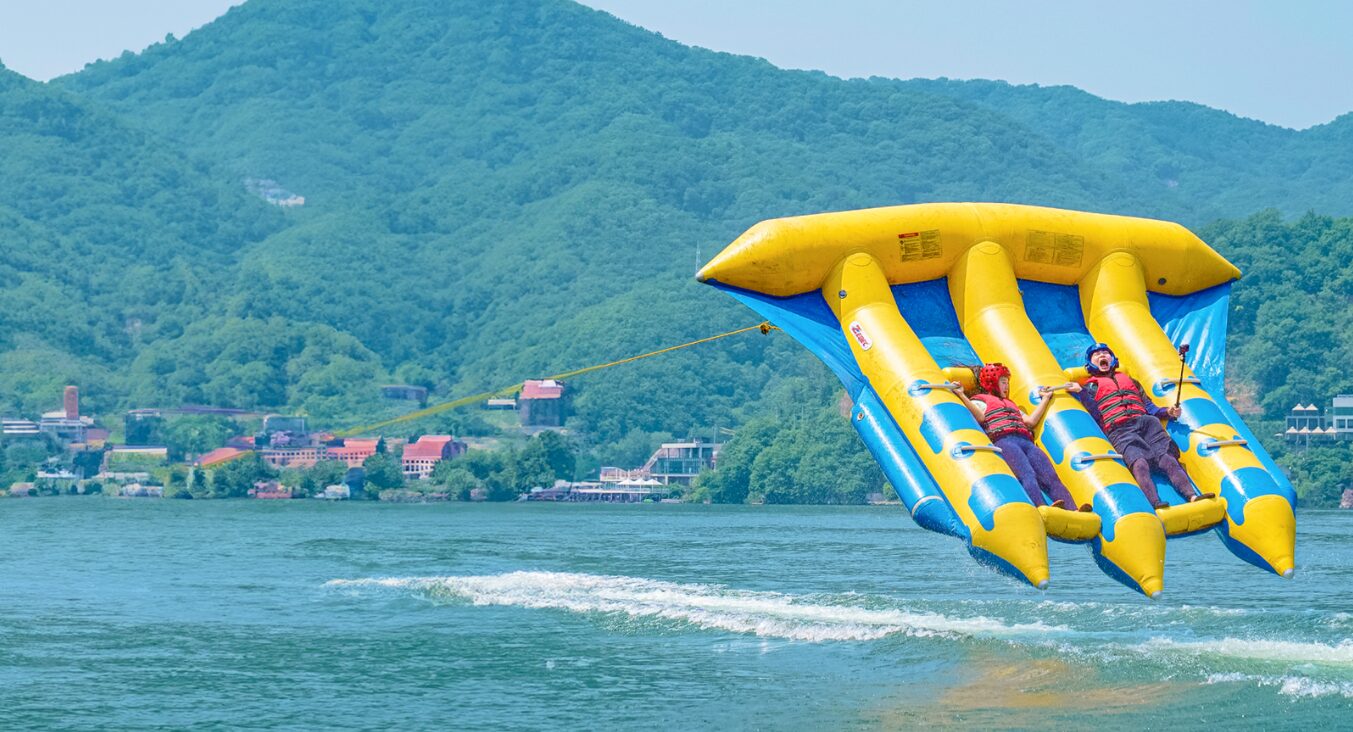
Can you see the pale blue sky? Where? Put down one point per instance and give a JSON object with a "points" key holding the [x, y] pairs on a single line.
{"points": [[1288, 63]]}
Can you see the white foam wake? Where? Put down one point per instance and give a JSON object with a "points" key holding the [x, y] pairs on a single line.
{"points": [[767, 614], [1295, 652], [1293, 686]]}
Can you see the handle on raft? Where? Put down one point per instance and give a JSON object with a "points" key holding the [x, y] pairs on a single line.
{"points": [[1080, 461], [970, 449], [921, 386], [1167, 384]]}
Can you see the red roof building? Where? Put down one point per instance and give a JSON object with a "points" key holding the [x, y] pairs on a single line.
{"points": [[542, 389], [422, 456], [218, 456], [354, 452], [542, 403]]}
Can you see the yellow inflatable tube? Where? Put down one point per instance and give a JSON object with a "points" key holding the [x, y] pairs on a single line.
{"points": [[789, 256], [991, 313], [1260, 521], [1004, 527]]}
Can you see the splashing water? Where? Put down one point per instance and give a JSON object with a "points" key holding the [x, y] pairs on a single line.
{"points": [[766, 614], [854, 617]]}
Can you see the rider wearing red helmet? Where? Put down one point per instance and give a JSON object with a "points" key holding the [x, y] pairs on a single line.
{"points": [[1012, 430]]}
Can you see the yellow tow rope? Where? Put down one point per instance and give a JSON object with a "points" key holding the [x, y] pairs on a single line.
{"points": [[764, 327]]}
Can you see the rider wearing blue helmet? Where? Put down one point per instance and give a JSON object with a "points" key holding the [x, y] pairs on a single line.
{"points": [[1132, 423]]}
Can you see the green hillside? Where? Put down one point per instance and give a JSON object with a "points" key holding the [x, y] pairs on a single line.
{"points": [[111, 240], [500, 190], [1210, 164], [385, 100]]}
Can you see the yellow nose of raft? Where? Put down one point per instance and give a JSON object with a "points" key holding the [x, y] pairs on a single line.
{"points": [[838, 283]]}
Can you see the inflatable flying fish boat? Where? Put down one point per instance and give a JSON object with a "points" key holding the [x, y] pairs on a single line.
{"points": [[890, 298]]}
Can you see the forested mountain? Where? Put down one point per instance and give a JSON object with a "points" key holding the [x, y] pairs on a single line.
{"points": [[500, 190], [111, 240], [1213, 164]]}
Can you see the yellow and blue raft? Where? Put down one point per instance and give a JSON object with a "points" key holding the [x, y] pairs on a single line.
{"points": [[897, 300]]}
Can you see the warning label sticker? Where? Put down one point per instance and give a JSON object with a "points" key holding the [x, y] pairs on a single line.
{"points": [[861, 337], [916, 245], [1050, 247]]}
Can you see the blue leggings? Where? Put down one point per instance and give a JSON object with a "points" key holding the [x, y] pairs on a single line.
{"points": [[1034, 470]]}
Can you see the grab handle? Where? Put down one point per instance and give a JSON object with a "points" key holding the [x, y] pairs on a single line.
{"points": [[1207, 447], [1035, 397], [963, 449], [924, 386], [1081, 462], [1167, 384]]}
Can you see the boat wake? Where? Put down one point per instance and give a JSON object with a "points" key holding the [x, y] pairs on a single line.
{"points": [[1294, 668], [1291, 686], [766, 614], [1338, 655]]}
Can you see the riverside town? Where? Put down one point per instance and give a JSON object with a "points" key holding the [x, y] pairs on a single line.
{"points": [[222, 452]]}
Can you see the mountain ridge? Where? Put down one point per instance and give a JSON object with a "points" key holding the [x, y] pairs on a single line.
{"points": [[495, 191]]}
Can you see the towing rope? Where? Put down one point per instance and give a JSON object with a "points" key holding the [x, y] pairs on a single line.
{"points": [[764, 327]]}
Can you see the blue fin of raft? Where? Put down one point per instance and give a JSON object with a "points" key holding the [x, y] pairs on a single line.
{"points": [[807, 319]]}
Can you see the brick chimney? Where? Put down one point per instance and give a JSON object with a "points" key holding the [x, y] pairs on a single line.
{"points": [[72, 402]]}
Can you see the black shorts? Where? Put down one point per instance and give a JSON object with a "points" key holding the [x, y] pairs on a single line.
{"points": [[1142, 437]]}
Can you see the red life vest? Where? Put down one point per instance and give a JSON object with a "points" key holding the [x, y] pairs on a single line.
{"points": [[1117, 399], [1002, 417]]}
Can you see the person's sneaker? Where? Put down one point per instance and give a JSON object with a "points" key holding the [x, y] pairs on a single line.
{"points": [[1086, 508]]}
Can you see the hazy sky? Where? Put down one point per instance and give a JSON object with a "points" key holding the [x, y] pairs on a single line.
{"points": [[1288, 63]]}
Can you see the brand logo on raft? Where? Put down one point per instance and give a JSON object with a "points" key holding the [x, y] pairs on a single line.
{"points": [[861, 337]]}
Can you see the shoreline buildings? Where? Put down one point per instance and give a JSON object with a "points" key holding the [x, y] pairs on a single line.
{"points": [[673, 463], [1306, 425]]}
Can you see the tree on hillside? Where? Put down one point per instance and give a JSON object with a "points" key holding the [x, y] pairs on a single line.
{"points": [[1320, 474], [314, 479], [523, 470], [807, 455], [731, 482], [198, 485], [456, 480], [193, 434], [144, 431], [234, 478], [559, 452], [383, 472]]}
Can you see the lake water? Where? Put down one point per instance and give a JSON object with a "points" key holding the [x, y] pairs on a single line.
{"points": [[302, 615]]}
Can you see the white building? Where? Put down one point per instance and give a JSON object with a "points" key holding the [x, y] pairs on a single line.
{"points": [[672, 463], [1341, 416], [12, 426], [65, 427], [1306, 425], [336, 492], [136, 490]]}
